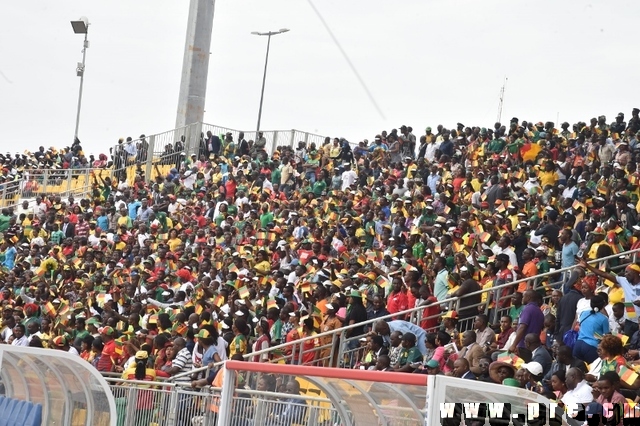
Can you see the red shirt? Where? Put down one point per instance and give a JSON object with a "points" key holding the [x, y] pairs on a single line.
{"points": [[230, 189], [430, 315], [108, 358], [397, 302]]}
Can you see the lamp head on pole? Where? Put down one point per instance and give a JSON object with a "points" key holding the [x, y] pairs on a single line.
{"points": [[284, 30], [80, 26]]}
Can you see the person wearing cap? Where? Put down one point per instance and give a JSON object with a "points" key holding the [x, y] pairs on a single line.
{"points": [[109, 358], [410, 355], [329, 322], [529, 375]]}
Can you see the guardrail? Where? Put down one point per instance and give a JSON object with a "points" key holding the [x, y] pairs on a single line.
{"points": [[341, 349], [148, 156], [168, 404], [44, 182]]}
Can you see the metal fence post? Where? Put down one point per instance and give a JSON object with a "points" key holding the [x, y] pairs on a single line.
{"points": [[173, 408], [226, 397], [45, 181], [496, 302], [149, 160]]}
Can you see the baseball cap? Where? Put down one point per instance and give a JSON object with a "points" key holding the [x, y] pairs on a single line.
{"points": [[533, 367]]}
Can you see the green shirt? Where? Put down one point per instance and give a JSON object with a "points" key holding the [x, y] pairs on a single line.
{"points": [[409, 356], [4, 222], [265, 219], [514, 312], [418, 250], [319, 187], [496, 146], [276, 176]]}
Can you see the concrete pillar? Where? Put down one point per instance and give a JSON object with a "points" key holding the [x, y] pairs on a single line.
{"points": [[195, 66]]}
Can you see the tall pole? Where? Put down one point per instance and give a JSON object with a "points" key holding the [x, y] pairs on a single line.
{"points": [[266, 63], [264, 79], [80, 71]]}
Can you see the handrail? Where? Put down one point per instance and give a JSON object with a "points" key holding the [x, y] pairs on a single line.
{"points": [[417, 309], [115, 380]]}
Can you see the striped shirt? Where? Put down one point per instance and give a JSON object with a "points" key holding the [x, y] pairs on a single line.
{"points": [[183, 360]]}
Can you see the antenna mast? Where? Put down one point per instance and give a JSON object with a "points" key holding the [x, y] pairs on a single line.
{"points": [[501, 99]]}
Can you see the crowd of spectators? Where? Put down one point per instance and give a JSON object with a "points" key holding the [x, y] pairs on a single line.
{"points": [[234, 251]]}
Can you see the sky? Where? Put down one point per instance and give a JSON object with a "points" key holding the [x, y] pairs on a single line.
{"points": [[424, 63]]}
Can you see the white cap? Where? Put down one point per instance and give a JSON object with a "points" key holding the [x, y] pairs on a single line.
{"points": [[533, 367], [329, 306]]}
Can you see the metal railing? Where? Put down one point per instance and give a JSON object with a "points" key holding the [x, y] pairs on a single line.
{"points": [[149, 157], [170, 404], [44, 182], [341, 349]]}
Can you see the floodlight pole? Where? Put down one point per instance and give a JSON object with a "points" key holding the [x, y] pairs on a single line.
{"points": [[266, 62], [80, 72]]}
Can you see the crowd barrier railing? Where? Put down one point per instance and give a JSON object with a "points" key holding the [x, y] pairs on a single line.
{"points": [[44, 182], [160, 403], [340, 349]]}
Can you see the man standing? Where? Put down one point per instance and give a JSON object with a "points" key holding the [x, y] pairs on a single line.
{"points": [[440, 286], [348, 176], [531, 320]]}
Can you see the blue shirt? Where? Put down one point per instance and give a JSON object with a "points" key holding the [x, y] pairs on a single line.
{"points": [[441, 285], [133, 209], [10, 257], [408, 327], [569, 252], [102, 222], [590, 324], [208, 356], [432, 183]]}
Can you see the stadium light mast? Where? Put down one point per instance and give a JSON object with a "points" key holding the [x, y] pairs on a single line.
{"points": [[81, 26], [195, 64], [266, 62]]}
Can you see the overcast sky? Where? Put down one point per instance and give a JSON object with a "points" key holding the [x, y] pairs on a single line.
{"points": [[425, 62]]}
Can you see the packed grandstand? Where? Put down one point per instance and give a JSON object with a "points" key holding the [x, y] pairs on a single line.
{"points": [[504, 254]]}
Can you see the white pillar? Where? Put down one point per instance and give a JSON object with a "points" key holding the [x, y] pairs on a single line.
{"points": [[195, 65]]}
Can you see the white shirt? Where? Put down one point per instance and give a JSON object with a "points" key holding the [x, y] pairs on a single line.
{"points": [[142, 238], [93, 240], [580, 395], [513, 260], [241, 201], [430, 152], [267, 185], [582, 305], [348, 178], [568, 192], [6, 333], [189, 181], [23, 341]]}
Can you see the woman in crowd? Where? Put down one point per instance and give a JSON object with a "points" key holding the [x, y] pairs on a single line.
{"points": [[594, 324]]}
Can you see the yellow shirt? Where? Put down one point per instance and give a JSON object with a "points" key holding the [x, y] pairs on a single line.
{"points": [[593, 251], [548, 178], [475, 183], [263, 267], [124, 220], [174, 243], [616, 294]]}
